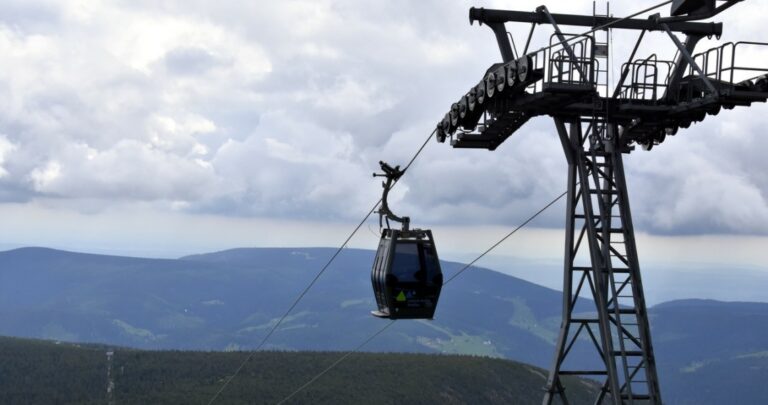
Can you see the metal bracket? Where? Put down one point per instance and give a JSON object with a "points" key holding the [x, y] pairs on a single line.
{"points": [[698, 15], [392, 174], [685, 54], [501, 38]]}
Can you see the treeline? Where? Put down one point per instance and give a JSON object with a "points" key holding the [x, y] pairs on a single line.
{"points": [[41, 372]]}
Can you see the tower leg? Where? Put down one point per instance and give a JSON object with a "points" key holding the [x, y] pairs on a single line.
{"points": [[604, 310]]}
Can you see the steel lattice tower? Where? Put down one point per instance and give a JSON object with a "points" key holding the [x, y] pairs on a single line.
{"points": [[599, 226], [603, 301]]}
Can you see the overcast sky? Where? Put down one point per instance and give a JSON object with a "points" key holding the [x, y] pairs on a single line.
{"points": [[164, 127]]}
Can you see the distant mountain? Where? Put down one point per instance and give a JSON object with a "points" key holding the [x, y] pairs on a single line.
{"points": [[711, 352], [44, 372], [228, 300]]}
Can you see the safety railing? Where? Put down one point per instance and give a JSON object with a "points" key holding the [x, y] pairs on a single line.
{"points": [[643, 78], [565, 69], [734, 63], [560, 68]]}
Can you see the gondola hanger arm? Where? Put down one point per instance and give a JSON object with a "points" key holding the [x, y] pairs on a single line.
{"points": [[392, 175]]}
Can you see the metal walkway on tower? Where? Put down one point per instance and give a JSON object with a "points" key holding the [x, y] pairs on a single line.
{"points": [[654, 97]]}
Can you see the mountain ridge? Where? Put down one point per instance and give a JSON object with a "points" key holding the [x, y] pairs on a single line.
{"points": [[228, 300]]}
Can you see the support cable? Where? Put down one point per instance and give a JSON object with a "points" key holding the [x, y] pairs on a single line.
{"points": [[312, 283], [314, 280], [563, 42], [495, 245], [377, 333], [602, 27], [339, 360]]}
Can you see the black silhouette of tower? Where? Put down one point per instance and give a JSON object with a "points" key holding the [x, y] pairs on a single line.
{"points": [[603, 300]]}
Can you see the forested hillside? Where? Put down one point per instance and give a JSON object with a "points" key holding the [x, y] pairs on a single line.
{"points": [[42, 372]]}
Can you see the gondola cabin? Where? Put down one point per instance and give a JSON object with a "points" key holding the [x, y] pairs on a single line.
{"points": [[406, 275]]}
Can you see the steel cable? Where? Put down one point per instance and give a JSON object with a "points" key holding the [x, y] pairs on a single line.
{"points": [[512, 232], [319, 274], [377, 333], [314, 280], [604, 26], [338, 361]]}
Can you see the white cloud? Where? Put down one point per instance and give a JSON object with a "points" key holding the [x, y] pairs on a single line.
{"points": [[43, 177], [292, 168], [178, 135], [285, 108], [6, 147], [128, 171]]}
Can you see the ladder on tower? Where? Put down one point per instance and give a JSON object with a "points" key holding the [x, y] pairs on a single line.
{"points": [[599, 227], [619, 279], [601, 54]]}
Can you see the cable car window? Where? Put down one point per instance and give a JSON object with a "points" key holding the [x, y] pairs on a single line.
{"points": [[406, 262], [431, 262]]}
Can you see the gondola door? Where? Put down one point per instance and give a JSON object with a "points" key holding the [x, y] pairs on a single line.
{"points": [[379, 273]]}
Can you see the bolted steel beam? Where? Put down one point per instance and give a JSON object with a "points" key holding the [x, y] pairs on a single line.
{"points": [[490, 16]]}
